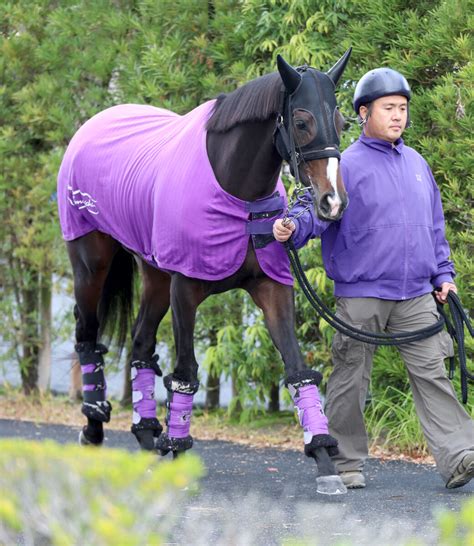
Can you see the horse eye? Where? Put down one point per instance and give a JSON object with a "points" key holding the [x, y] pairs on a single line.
{"points": [[300, 124]]}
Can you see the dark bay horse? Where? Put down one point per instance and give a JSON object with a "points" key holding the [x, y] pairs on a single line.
{"points": [[191, 199]]}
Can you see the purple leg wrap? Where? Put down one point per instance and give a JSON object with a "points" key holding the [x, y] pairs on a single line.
{"points": [[303, 387], [146, 426], [178, 418], [179, 415], [310, 412], [143, 385]]}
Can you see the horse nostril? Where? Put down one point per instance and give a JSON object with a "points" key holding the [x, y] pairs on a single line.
{"points": [[330, 205], [325, 205]]}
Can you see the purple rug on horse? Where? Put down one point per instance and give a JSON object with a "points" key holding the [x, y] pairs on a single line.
{"points": [[142, 175]]}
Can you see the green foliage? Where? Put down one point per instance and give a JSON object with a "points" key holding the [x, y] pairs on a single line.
{"points": [[240, 348], [392, 422], [64, 495], [457, 528], [55, 66]]}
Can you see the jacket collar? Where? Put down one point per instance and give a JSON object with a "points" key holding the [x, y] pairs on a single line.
{"points": [[382, 145]]}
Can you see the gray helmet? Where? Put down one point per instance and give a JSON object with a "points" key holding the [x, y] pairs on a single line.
{"points": [[380, 83]]}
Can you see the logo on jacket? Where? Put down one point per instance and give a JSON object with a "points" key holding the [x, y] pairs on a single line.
{"points": [[82, 200], [418, 177]]}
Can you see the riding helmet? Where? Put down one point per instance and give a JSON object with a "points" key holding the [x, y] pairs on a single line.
{"points": [[377, 83]]}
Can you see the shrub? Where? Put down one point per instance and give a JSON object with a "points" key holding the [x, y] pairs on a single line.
{"points": [[65, 495]]}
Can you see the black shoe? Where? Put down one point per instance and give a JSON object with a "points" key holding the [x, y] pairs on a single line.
{"points": [[353, 479], [463, 473]]}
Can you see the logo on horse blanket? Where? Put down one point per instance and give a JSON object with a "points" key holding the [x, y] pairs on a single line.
{"points": [[82, 200], [155, 192]]}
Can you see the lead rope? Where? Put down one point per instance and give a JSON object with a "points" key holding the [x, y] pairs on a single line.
{"points": [[457, 331]]}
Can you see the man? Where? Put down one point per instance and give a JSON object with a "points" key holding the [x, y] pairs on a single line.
{"points": [[385, 256]]}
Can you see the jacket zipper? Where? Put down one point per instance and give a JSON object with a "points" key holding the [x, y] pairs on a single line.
{"points": [[398, 181]]}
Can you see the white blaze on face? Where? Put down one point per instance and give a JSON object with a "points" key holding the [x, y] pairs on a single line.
{"points": [[331, 170]]}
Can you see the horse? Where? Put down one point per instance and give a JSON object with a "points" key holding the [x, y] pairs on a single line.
{"points": [[190, 201]]}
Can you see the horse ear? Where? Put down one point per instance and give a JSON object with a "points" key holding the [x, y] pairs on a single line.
{"points": [[336, 71], [291, 78]]}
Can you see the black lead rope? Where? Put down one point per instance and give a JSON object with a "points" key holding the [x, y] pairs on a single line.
{"points": [[456, 330]]}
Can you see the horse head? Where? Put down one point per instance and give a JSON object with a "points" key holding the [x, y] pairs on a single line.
{"points": [[308, 130]]}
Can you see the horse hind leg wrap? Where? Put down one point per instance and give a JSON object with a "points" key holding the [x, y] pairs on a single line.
{"points": [[303, 388], [178, 418], [146, 426], [94, 387]]}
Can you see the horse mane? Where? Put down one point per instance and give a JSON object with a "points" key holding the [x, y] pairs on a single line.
{"points": [[256, 100]]}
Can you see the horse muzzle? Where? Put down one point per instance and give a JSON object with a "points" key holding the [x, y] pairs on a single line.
{"points": [[331, 206]]}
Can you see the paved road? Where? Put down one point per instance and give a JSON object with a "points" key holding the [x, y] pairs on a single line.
{"points": [[261, 496]]}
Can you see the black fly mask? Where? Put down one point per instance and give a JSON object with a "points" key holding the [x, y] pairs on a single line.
{"points": [[306, 125]]}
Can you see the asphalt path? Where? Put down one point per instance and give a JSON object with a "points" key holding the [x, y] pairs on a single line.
{"points": [[262, 496]]}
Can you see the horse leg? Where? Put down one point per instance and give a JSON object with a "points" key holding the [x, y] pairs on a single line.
{"points": [[182, 384], [91, 257], [277, 303], [155, 302]]}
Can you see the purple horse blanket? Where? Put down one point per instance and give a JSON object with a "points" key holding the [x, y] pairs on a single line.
{"points": [[142, 175]]}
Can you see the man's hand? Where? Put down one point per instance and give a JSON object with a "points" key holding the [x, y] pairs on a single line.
{"points": [[282, 231], [442, 293]]}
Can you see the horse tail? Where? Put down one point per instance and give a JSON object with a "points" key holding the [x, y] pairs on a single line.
{"points": [[116, 302]]}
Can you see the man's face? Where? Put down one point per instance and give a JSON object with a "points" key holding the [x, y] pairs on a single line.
{"points": [[387, 119]]}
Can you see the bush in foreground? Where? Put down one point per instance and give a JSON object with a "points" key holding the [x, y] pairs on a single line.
{"points": [[66, 495]]}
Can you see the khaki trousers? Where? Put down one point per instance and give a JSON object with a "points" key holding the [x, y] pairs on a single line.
{"points": [[448, 428]]}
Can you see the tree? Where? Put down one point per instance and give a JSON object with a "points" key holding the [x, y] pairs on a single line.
{"points": [[56, 64]]}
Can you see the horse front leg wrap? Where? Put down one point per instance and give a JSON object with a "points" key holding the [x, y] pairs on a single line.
{"points": [[146, 426], [178, 418], [303, 387], [94, 387]]}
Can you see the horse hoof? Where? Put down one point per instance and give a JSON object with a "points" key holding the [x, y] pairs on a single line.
{"points": [[84, 441], [176, 454], [146, 439], [330, 485]]}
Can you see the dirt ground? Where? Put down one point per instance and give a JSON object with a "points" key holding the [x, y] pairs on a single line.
{"points": [[205, 426]]}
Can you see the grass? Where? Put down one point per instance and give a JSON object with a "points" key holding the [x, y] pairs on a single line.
{"points": [[392, 423]]}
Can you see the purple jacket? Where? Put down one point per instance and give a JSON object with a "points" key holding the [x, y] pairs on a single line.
{"points": [[390, 242]]}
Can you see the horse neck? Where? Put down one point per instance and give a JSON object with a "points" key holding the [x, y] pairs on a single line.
{"points": [[244, 160]]}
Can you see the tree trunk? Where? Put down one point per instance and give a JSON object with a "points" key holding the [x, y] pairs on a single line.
{"points": [[29, 364], [44, 364], [238, 406], [127, 382], [127, 379], [274, 402], [213, 389], [75, 387], [213, 385]]}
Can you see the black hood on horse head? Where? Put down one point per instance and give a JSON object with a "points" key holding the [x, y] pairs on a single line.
{"points": [[308, 89]]}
